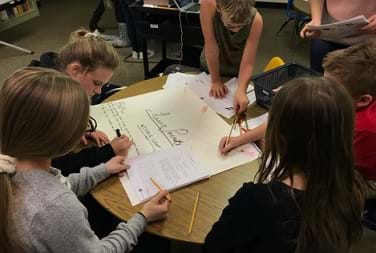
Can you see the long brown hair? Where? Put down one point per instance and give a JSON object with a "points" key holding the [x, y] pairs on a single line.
{"points": [[43, 114], [310, 131], [89, 50]]}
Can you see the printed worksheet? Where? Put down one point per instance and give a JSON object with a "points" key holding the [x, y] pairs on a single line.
{"points": [[171, 168]]}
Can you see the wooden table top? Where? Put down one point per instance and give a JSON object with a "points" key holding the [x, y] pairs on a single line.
{"points": [[214, 192], [302, 6]]}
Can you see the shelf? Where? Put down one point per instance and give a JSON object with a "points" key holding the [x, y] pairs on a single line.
{"points": [[13, 21]]}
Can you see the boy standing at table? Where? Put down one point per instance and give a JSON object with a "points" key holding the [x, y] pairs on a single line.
{"points": [[232, 30], [355, 68]]}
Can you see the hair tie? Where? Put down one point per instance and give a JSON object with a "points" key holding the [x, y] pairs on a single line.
{"points": [[89, 35], [7, 164]]}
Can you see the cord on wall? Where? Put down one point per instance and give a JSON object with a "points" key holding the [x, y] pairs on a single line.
{"points": [[181, 37]]}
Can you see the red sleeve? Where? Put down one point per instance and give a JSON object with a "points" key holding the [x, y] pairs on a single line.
{"points": [[365, 153]]}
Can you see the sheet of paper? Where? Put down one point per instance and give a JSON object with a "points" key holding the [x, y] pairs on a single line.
{"points": [[201, 87], [339, 30], [168, 118], [255, 122], [178, 80], [171, 168]]}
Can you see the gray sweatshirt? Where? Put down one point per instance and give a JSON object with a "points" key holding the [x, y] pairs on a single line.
{"points": [[50, 218]]}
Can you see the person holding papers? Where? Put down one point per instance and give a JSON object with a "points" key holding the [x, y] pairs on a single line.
{"points": [[232, 30], [308, 196], [330, 11], [43, 115]]}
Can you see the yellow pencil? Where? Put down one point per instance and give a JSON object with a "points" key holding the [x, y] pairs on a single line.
{"points": [[229, 135], [160, 189], [193, 213]]}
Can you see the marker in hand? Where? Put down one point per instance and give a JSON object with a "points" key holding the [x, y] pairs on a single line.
{"points": [[118, 134]]}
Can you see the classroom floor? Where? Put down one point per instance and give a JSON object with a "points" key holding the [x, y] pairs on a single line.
{"points": [[57, 19]]}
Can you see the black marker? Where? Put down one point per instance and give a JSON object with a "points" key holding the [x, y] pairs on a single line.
{"points": [[118, 132]]}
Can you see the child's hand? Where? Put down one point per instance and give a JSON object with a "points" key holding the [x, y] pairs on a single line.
{"points": [[157, 207], [121, 145], [371, 27], [232, 143], [116, 165], [308, 33], [218, 90], [98, 137], [241, 101]]}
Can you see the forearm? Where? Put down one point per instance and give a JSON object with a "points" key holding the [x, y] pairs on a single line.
{"points": [[88, 157], [245, 74], [249, 53], [317, 7], [212, 59], [125, 237], [83, 182], [68, 229], [207, 14], [254, 134]]}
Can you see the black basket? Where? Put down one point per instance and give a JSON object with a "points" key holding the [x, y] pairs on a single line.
{"points": [[266, 82]]}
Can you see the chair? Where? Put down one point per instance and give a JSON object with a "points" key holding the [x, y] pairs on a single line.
{"points": [[273, 63], [174, 68], [369, 218], [293, 15]]}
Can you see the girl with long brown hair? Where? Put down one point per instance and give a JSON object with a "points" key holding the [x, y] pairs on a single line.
{"points": [[307, 197], [43, 114]]}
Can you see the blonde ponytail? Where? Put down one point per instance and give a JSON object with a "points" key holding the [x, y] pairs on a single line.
{"points": [[89, 50]]}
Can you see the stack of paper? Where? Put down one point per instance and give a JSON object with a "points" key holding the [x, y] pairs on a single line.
{"points": [[171, 168]]}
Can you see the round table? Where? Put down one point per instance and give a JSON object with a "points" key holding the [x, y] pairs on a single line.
{"points": [[214, 192]]}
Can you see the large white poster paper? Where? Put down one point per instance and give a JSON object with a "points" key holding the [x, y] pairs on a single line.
{"points": [[168, 118]]}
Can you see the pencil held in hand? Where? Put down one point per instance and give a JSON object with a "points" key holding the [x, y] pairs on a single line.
{"points": [[160, 188], [232, 128]]}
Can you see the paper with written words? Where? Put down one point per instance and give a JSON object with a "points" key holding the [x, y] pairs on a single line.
{"points": [[168, 118], [171, 168], [337, 31], [200, 84]]}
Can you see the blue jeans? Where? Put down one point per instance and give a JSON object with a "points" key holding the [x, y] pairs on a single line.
{"points": [[319, 49]]}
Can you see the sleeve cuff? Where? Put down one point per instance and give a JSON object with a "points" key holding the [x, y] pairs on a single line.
{"points": [[107, 152]]}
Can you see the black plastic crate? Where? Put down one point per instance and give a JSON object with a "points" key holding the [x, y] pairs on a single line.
{"points": [[266, 82]]}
